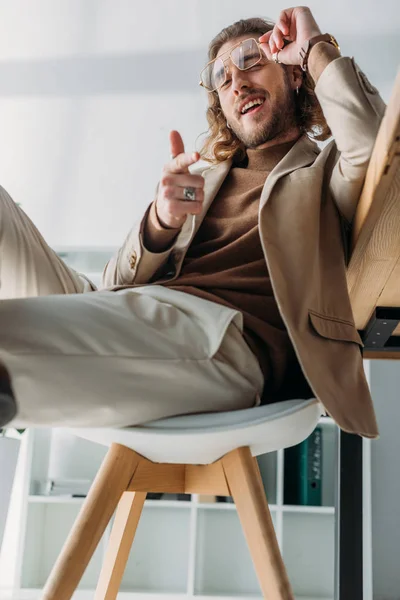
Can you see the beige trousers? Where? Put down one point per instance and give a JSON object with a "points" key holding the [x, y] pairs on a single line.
{"points": [[83, 357]]}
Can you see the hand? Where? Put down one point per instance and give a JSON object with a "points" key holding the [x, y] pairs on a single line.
{"points": [[295, 25], [171, 207]]}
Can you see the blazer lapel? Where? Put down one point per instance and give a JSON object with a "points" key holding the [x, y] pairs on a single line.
{"points": [[303, 153], [213, 179]]}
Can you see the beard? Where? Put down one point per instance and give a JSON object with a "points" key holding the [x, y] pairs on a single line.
{"points": [[281, 119]]}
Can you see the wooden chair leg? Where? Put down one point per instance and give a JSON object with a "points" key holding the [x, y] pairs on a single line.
{"points": [[246, 487], [123, 532], [111, 481]]}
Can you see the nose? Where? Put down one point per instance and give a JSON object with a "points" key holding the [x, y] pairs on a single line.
{"points": [[240, 80]]}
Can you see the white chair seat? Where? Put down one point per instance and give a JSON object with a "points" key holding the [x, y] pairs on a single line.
{"points": [[206, 437]]}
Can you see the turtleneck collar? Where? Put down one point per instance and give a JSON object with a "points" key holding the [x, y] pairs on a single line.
{"points": [[265, 159]]}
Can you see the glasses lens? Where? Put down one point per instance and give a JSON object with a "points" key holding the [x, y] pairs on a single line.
{"points": [[213, 75], [246, 54]]}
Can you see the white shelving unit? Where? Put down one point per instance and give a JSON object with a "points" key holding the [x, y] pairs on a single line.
{"points": [[181, 548]]}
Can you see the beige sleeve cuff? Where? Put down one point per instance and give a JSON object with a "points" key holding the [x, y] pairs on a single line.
{"points": [[320, 56], [156, 237]]}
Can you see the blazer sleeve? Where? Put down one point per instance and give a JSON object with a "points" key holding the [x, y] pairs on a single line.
{"points": [[133, 263], [353, 110]]}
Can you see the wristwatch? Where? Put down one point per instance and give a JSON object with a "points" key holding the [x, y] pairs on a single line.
{"points": [[308, 44]]}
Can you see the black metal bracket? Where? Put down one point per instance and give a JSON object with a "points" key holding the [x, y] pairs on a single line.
{"points": [[349, 518], [377, 336]]}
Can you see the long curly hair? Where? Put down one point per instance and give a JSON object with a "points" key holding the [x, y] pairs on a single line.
{"points": [[221, 143]]}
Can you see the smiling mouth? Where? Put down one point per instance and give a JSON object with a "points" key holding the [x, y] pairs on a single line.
{"points": [[252, 107]]}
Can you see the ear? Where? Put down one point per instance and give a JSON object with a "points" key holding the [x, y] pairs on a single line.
{"points": [[295, 76]]}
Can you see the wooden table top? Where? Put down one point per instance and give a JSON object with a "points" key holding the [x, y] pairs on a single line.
{"points": [[373, 274]]}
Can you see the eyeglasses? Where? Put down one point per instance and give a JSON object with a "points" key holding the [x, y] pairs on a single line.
{"points": [[244, 55]]}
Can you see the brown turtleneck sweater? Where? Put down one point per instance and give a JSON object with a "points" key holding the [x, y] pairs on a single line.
{"points": [[225, 264]]}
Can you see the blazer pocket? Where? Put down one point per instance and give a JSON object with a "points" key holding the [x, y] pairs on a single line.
{"points": [[334, 329]]}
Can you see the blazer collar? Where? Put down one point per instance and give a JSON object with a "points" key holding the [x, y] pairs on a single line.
{"points": [[300, 155]]}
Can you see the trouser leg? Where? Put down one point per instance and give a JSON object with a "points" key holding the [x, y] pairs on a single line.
{"points": [[109, 359], [104, 359], [28, 266]]}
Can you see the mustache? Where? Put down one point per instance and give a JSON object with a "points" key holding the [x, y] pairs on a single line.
{"points": [[250, 92]]}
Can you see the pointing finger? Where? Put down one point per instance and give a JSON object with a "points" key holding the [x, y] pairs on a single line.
{"points": [[182, 162], [176, 143]]}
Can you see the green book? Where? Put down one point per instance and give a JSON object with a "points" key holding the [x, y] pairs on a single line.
{"points": [[291, 475], [303, 471], [311, 469]]}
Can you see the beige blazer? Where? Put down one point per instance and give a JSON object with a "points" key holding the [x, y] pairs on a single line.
{"points": [[305, 214]]}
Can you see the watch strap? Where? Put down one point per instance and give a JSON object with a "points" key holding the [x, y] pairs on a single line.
{"points": [[308, 44]]}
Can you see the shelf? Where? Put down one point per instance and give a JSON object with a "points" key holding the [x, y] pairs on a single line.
{"points": [[46, 532], [33, 499], [309, 563], [323, 510], [159, 560], [33, 594], [326, 510], [227, 506], [224, 565]]}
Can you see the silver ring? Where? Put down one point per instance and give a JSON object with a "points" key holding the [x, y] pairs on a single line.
{"points": [[275, 56], [189, 193]]}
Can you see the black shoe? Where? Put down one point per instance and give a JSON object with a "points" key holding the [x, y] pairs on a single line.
{"points": [[8, 406]]}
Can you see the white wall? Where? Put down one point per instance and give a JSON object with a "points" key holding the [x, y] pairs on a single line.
{"points": [[385, 453], [89, 90]]}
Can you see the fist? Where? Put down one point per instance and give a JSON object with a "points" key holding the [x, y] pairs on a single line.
{"points": [[293, 27], [172, 207]]}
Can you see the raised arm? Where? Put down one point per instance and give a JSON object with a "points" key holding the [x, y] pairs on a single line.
{"points": [[152, 239], [352, 107], [354, 110]]}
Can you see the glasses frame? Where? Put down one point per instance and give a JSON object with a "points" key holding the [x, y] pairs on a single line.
{"points": [[224, 60]]}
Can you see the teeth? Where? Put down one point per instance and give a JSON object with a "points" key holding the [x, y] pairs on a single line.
{"points": [[252, 103]]}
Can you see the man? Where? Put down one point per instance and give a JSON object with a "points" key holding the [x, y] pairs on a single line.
{"points": [[231, 290]]}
